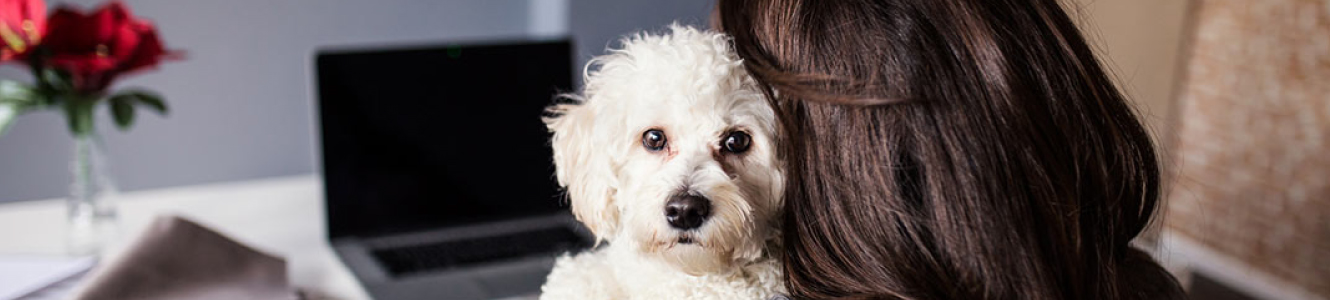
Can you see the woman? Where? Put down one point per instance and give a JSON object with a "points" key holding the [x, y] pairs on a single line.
{"points": [[951, 149]]}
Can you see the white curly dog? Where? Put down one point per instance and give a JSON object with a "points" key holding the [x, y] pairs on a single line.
{"points": [[668, 156]]}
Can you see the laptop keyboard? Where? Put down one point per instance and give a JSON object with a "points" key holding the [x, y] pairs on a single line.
{"points": [[459, 253]]}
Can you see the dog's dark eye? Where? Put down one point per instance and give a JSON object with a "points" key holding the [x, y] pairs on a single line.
{"points": [[736, 142], [653, 140]]}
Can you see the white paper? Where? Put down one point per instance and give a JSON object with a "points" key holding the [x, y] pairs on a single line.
{"points": [[23, 275]]}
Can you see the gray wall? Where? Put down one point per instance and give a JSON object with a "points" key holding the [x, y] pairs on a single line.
{"points": [[597, 24], [242, 102]]}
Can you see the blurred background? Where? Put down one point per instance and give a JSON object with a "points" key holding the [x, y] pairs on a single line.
{"points": [[1236, 92], [243, 99]]}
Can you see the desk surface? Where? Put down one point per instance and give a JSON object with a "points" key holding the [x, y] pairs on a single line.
{"points": [[280, 216]]}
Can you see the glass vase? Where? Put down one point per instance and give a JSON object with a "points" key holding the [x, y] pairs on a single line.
{"points": [[92, 216]]}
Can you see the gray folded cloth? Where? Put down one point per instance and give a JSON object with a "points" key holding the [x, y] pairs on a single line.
{"points": [[179, 259]]}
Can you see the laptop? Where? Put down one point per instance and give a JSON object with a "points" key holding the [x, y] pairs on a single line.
{"points": [[437, 170]]}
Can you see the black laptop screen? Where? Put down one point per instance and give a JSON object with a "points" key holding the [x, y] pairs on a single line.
{"points": [[426, 138]]}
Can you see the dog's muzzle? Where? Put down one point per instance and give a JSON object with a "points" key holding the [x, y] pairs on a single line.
{"points": [[686, 211]]}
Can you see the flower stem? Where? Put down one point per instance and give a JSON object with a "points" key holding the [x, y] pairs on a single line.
{"points": [[78, 111]]}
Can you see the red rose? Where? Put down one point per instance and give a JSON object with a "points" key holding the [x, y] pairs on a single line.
{"points": [[97, 47], [21, 25]]}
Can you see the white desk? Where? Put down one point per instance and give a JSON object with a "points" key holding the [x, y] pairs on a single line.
{"points": [[280, 216]]}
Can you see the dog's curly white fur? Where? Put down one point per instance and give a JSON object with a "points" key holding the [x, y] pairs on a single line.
{"points": [[688, 87]]}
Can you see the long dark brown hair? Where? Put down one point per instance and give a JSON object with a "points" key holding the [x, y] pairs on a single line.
{"points": [[951, 149]]}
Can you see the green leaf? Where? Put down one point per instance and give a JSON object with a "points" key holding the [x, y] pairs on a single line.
{"points": [[8, 112], [17, 93], [57, 80], [146, 98], [155, 102], [15, 99], [122, 110]]}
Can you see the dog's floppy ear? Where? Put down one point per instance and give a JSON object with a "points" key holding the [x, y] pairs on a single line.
{"points": [[584, 163]]}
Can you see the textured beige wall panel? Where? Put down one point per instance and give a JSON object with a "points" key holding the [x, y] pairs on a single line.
{"points": [[1253, 152]]}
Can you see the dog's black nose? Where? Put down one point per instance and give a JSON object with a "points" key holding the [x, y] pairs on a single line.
{"points": [[687, 211]]}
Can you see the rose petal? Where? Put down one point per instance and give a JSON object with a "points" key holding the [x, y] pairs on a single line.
{"points": [[98, 47], [124, 43], [68, 31]]}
